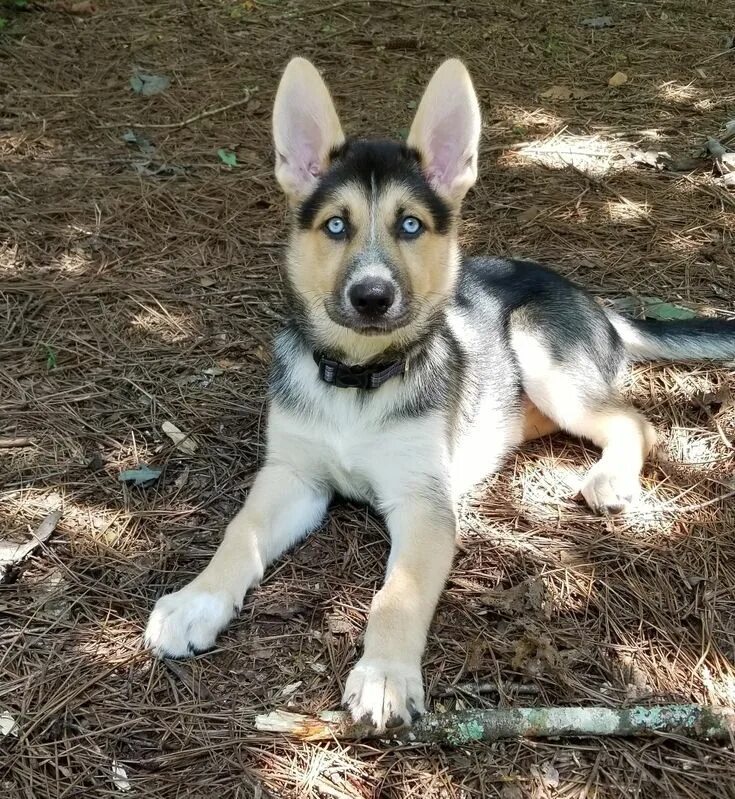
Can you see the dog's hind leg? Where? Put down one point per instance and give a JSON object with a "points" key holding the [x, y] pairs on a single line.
{"points": [[625, 438], [581, 397]]}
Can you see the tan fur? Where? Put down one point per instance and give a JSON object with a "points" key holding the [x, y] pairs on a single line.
{"points": [[568, 399], [404, 466], [316, 264], [401, 612], [535, 423], [626, 438]]}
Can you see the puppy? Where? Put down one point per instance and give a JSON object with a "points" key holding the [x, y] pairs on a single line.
{"points": [[407, 373]]}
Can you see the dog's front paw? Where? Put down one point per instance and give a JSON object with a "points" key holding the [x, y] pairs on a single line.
{"points": [[609, 492], [187, 622], [384, 693]]}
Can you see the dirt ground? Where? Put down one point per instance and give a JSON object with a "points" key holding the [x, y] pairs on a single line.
{"points": [[139, 284]]}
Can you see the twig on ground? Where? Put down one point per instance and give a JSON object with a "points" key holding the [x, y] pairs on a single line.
{"points": [[457, 729], [10, 443], [477, 688], [190, 120]]}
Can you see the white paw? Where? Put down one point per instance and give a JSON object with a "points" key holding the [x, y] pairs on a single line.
{"points": [[607, 491], [187, 622], [384, 693]]}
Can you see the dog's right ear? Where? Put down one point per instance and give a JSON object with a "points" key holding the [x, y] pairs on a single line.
{"points": [[305, 129]]}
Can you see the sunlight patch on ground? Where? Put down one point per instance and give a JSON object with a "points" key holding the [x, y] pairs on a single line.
{"points": [[625, 210], [171, 327], [721, 688], [8, 256], [26, 507], [547, 489], [523, 119], [592, 155], [73, 263], [113, 641], [679, 92], [694, 446], [653, 134]]}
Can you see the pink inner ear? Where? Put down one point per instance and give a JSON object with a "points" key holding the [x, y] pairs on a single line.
{"points": [[447, 147], [305, 147]]}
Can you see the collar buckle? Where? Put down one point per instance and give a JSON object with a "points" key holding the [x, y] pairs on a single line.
{"points": [[366, 378]]}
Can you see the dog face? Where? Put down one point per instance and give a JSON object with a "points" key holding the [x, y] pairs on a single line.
{"points": [[373, 252]]}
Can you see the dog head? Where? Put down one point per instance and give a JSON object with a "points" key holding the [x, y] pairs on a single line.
{"points": [[373, 252]]}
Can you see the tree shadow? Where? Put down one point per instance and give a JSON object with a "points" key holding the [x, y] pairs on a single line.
{"points": [[136, 286]]}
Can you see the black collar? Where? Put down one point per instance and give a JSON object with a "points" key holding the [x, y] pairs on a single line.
{"points": [[366, 377]]}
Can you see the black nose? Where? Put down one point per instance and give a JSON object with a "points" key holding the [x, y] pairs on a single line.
{"points": [[372, 296]]}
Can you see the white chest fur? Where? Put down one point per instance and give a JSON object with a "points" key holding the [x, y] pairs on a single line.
{"points": [[364, 451], [353, 443]]}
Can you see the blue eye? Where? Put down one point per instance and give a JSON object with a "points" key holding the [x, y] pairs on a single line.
{"points": [[410, 226], [336, 226]]}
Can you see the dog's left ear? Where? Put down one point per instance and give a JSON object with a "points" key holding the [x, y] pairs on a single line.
{"points": [[446, 131]]}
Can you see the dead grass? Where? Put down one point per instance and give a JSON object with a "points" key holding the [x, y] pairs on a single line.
{"points": [[135, 284]]}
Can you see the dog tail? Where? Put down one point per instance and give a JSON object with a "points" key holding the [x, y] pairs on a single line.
{"points": [[681, 340]]}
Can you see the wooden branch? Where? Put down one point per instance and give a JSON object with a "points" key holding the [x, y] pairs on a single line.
{"points": [[457, 729], [10, 443], [172, 125], [478, 688], [203, 114]]}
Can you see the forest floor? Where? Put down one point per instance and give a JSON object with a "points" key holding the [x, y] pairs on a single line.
{"points": [[140, 284]]}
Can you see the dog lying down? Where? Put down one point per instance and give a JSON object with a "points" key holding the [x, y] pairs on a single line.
{"points": [[408, 372]]}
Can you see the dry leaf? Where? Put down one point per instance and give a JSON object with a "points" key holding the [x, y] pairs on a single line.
{"points": [[598, 22], [338, 626], [618, 79], [182, 479], [287, 690], [142, 475], [715, 401], [147, 84], [120, 777], [52, 595], [564, 93], [477, 657], [557, 93], [511, 791], [182, 441], [284, 610], [548, 775], [529, 214], [8, 725], [526, 597], [535, 655], [12, 552]]}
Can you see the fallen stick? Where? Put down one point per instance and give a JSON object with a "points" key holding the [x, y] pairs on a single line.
{"points": [[476, 689], [10, 443], [205, 114], [459, 728], [182, 123]]}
